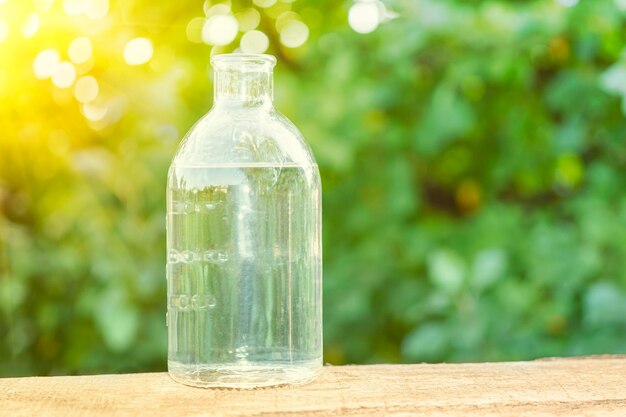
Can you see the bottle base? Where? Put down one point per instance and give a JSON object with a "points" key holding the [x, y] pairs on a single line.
{"points": [[244, 376]]}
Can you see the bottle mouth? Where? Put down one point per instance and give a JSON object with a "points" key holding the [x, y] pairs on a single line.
{"points": [[243, 62]]}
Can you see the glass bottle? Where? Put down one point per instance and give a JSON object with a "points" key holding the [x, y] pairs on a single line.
{"points": [[244, 240]]}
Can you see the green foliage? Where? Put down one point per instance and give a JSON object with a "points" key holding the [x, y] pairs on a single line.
{"points": [[472, 162]]}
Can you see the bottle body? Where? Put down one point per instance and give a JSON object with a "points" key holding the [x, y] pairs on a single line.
{"points": [[244, 253]]}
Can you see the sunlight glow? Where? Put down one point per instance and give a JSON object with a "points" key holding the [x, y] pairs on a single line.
{"points": [[138, 51], [45, 63], [4, 31], [80, 50], [86, 89], [64, 75]]}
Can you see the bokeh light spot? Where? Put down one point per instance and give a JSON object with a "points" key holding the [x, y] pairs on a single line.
{"points": [[31, 25], [220, 30], [194, 29], [277, 9], [43, 5], [64, 75], [294, 34], [80, 50], [254, 42], [217, 9], [96, 9], [4, 31], [248, 19], [73, 7], [284, 19], [364, 17], [94, 112], [86, 89], [567, 3], [45, 63], [138, 51], [264, 3]]}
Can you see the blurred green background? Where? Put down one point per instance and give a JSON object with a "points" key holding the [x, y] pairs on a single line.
{"points": [[472, 157]]}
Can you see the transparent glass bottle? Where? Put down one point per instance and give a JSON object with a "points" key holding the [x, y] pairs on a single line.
{"points": [[244, 240]]}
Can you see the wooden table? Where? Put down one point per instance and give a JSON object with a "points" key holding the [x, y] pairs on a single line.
{"points": [[556, 387]]}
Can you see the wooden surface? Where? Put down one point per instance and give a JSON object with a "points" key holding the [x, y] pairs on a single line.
{"points": [[560, 387]]}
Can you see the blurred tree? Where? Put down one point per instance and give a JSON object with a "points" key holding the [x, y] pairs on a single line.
{"points": [[471, 155]]}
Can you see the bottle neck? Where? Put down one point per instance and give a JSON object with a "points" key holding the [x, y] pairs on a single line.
{"points": [[243, 87]]}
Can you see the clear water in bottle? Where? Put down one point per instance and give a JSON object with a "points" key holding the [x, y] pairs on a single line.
{"points": [[243, 257]]}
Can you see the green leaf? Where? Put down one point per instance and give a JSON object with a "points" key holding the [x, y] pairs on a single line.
{"points": [[489, 266], [428, 342], [117, 320], [603, 304], [446, 270]]}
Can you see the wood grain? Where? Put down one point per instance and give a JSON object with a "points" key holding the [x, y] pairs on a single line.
{"points": [[559, 387]]}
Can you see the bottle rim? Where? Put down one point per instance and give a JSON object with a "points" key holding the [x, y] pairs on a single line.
{"points": [[243, 60]]}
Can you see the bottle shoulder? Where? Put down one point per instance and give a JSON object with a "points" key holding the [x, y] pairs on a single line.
{"points": [[244, 136]]}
